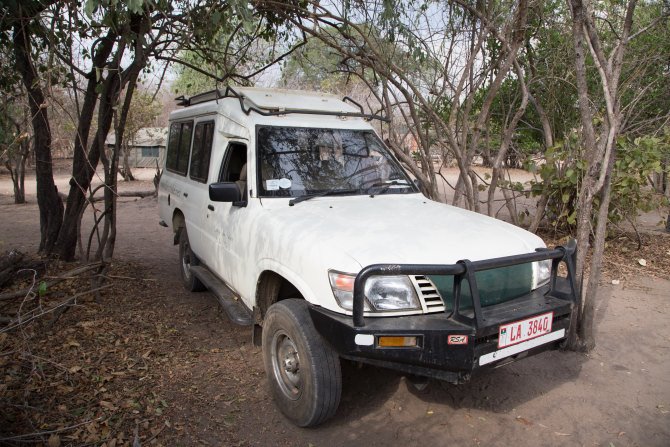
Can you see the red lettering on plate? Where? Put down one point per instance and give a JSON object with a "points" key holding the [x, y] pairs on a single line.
{"points": [[519, 331]]}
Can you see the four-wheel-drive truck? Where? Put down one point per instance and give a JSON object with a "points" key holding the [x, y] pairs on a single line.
{"points": [[288, 207]]}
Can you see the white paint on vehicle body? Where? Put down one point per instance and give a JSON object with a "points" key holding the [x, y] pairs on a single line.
{"points": [[302, 242]]}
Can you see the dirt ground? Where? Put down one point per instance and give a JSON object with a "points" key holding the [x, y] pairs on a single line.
{"points": [[167, 365]]}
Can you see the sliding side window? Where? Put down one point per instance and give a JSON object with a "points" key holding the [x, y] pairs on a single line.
{"points": [[202, 150], [178, 147]]}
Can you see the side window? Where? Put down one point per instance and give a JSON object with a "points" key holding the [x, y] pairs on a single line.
{"points": [[234, 160], [184, 147], [178, 147], [173, 147], [202, 150]]}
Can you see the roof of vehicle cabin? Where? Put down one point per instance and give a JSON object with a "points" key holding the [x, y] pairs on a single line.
{"points": [[273, 99]]}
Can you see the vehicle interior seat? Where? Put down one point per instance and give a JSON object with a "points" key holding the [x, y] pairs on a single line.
{"points": [[242, 182]]}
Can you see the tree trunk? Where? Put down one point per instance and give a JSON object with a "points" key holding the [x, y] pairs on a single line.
{"points": [[20, 191], [16, 165], [127, 173], [599, 155], [48, 200], [139, 26], [85, 160], [548, 136], [505, 144], [586, 333]]}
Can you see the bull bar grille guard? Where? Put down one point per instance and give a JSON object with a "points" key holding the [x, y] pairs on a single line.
{"points": [[466, 269]]}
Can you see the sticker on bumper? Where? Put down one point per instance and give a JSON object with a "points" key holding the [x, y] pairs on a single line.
{"points": [[457, 340]]}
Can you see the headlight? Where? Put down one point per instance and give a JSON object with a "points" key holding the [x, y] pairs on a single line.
{"points": [[385, 293], [542, 273], [391, 293]]}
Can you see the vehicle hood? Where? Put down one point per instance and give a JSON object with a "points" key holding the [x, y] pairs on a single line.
{"points": [[397, 229]]}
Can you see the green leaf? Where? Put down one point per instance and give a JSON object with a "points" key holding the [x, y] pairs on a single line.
{"points": [[135, 6], [90, 7], [565, 198], [572, 218], [215, 18], [42, 289]]}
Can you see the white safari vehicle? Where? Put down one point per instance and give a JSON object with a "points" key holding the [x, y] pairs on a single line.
{"points": [[288, 207]]}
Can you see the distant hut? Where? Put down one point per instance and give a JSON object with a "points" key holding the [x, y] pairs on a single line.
{"points": [[146, 148]]}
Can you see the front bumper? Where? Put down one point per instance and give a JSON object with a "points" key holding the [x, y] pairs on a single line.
{"points": [[357, 338]]}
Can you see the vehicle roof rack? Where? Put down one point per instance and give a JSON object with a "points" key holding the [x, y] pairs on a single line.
{"points": [[248, 106]]}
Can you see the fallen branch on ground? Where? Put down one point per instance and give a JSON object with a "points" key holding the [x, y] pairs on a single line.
{"points": [[14, 261], [62, 307], [44, 433], [56, 280], [140, 194]]}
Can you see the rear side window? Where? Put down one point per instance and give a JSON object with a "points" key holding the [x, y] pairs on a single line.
{"points": [[202, 150], [178, 147]]}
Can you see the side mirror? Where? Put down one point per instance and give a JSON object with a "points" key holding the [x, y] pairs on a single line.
{"points": [[224, 192], [418, 183]]}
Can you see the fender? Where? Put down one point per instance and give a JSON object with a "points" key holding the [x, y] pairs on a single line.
{"points": [[272, 265]]}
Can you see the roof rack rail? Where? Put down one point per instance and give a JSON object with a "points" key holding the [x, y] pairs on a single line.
{"points": [[182, 101], [229, 92]]}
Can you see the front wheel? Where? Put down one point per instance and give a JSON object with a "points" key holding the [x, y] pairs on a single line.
{"points": [[302, 369], [186, 260]]}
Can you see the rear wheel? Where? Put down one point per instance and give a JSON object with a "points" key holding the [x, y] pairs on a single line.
{"points": [[302, 369], [186, 260]]}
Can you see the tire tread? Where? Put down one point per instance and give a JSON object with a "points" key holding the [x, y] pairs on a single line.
{"points": [[325, 365]]}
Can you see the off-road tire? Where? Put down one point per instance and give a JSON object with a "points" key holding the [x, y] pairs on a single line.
{"points": [[315, 396], [187, 259]]}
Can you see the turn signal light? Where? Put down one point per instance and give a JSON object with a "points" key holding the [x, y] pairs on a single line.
{"points": [[397, 342]]}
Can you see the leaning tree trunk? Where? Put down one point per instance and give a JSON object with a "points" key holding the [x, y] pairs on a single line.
{"points": [[85, 159], [50, 204]]}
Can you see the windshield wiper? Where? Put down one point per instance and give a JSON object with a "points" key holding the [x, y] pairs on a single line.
{"points": [[333, 192], [385, 186]]}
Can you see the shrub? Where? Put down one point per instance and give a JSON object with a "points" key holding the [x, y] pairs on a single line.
{"points": [[561, 175]]}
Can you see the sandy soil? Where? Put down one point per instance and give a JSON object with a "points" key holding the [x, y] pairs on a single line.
{"points": [[216, 390]]}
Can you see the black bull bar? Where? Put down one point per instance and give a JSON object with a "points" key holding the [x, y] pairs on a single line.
{"points": [[466, 269]]}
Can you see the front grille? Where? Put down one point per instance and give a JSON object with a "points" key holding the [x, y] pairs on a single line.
{"points": [[431, 302]]}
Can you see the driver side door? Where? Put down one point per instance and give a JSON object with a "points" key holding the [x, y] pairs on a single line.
{"points": [[223, 220]]}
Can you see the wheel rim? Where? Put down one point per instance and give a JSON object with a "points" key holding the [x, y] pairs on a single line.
{"points": [[286, 365], [186, 260]]}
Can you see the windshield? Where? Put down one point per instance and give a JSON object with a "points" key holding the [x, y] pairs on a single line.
{"points": [[296, 161]]}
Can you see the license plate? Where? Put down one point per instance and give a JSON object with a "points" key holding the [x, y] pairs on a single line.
{"points": [[512, 333]]}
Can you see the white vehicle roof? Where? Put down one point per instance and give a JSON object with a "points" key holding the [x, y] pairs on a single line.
{"points": [[298, 100], [274, 107]]}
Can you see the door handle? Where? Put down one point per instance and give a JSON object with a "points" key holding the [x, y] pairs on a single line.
{"points": [[185, 194], [210, 207]]}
